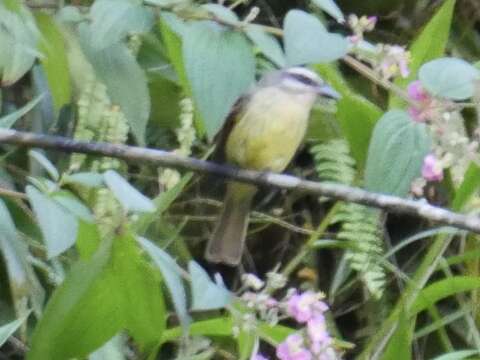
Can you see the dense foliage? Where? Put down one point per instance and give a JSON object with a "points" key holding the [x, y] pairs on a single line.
{"points": [[103, 259]]}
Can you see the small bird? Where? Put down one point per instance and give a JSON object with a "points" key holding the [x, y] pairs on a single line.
{"points": [[263, 132]]}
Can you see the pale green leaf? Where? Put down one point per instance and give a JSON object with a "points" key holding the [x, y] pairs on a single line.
{"points": [[74, 206], [9, 329], [331, 9], [130, 198], [88, 179], [220, 66], [267, 44], [449, 78], [206, 294], [45, 164], [7, 121], [307, 41], [113, 20], [18, 43], [221, 12], [58, 226], [395, 155], [171, 274]]}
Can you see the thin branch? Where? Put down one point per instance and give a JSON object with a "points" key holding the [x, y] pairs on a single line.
{"points": [[389, 203]]}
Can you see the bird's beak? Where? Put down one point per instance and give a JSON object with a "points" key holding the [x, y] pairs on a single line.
{"points": [[328, 92]]}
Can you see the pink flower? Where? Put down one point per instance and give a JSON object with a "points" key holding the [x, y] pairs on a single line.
{"points": [[395, 60], [317, 332], [303, 307], [417, 92], [432, 168], [293, 349], [258, 357]]}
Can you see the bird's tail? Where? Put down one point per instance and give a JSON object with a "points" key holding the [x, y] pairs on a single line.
{"points": [[226, 245]]}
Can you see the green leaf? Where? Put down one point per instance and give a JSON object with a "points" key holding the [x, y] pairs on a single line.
{"points": [[88, 179], [71, 203], [267, 44], [24, 284], [9, 329], [468, 187], [245, 343], [441, 289], [395, 156], [429, 45], [357, 115], [88, 303], [7, 121], [129, 91], [206, 294], [58, 226], [113, 20], [220, 66], [221, 12], [54, 60], [141, 300], [331, 9], [171, 273], [45, 164], [221, 326], [18, 42], [130, 198], [307, 41], [113, 349], [457, 355], [162, 203], [401, 340], [449, 78], [274, 334]]}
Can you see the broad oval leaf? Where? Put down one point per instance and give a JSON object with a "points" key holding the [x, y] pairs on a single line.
{"points": [[171, 274], [331, 9], [58, 226], [130, 198], [395, 155], [206, 294], [19, 35], [88, 179], [88, 300], [113, 20], [221, 12], [220, 66], [307, 41], [449, 77], [267, 44]]}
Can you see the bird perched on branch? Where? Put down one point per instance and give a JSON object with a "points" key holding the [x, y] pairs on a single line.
{"points": [[263, 132]]}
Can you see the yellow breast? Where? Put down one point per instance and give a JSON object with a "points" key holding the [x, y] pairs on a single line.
{"points": [[269, 130]]}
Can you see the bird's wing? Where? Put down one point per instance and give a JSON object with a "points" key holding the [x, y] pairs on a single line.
{"points": [[233, 117]]}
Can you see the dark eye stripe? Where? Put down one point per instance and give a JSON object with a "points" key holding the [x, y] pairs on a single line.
{"points": [[303, 79]]}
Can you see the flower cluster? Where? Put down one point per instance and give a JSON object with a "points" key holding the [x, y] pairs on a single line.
{"points": [[393, 61], [452, 147], [359, 26], [307, 308], [314, 342]]}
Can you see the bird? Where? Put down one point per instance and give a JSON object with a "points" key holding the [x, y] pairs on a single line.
{"points": [[263, 132]]}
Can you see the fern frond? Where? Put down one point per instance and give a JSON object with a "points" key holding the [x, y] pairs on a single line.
{"points": [[361, 226]]}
